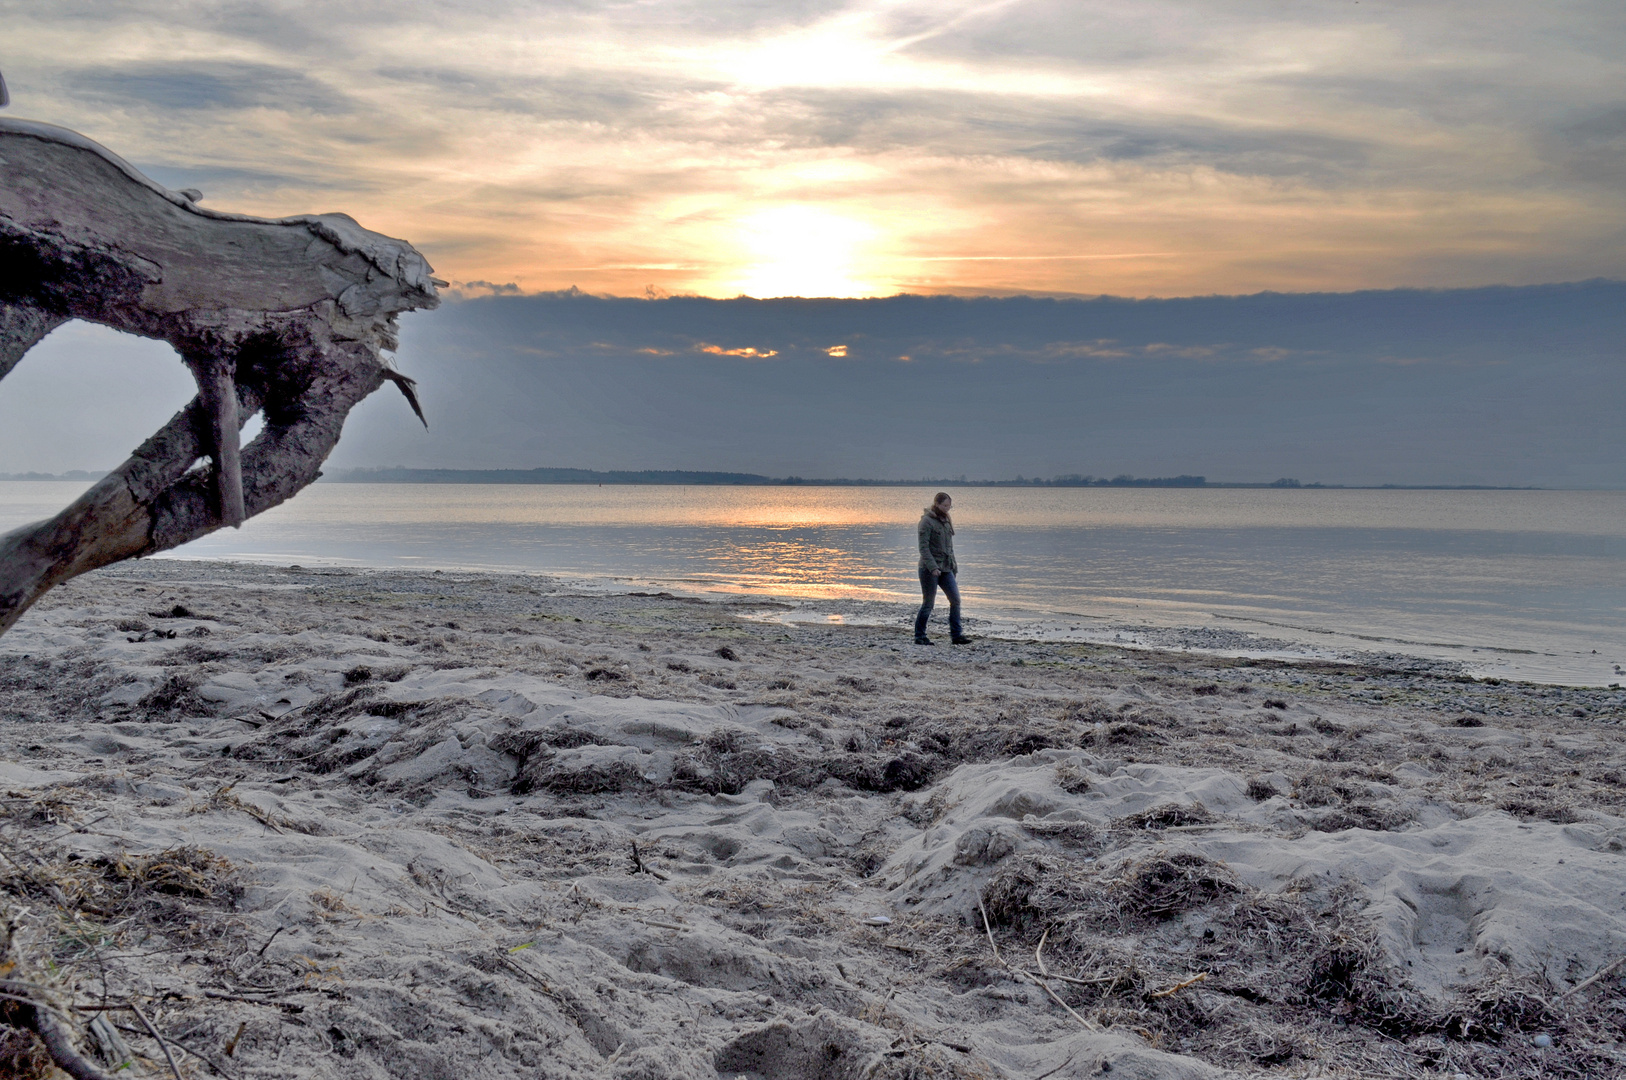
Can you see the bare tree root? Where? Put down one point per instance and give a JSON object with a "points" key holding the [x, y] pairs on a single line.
{"points": [[22, 1007], [287, 318], [54, 1034]]}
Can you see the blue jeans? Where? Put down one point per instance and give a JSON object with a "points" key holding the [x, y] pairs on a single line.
{"points": [[929, 584]]}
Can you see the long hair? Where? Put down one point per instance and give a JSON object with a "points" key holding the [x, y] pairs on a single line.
{"points": [[936, 508]]}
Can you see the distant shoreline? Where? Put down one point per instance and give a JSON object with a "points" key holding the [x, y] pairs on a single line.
{"points": [[72, 474], [696, 478], [675, 477]]}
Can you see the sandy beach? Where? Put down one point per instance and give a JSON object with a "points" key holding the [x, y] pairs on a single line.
{"points": [[345, 823]]}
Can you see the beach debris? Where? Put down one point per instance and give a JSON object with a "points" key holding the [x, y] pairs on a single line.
{"points": [[1179, 986], [175, 692], [181, 871], [1601, 974], [110, 1044], [1260, 789], [1167, 816], [878, 920], [1073, 777], [1125, 734], [641, 867], [29, 1003], [1541, 1042], [1162, 886], [1041, 979], [287, 318], [163, 1045]]}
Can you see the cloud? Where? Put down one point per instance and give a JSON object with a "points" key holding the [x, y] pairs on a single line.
{"points": [[465, 290], [1513, 386], [1593, 150], [201, 86], [212, 179], [1498, 386], [1170, 337], [1203, 352], [961, 121], [1056, 146], [747, 353]]}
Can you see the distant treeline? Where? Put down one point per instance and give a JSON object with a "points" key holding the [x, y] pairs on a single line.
{"points": [[1075, 480], [72, 474], [679, 476], [700, 479], [543, 476]]}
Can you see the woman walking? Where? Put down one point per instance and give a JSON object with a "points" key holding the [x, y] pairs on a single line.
{"points": [[937, 569]]}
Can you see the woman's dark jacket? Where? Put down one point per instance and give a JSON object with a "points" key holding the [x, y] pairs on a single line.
{"points": [[937, 545]]}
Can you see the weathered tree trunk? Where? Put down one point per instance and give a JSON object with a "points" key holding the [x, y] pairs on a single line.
{"points": [[287, 317]]}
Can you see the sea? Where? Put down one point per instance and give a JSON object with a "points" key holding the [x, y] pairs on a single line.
{"points": [[1527, 585]]}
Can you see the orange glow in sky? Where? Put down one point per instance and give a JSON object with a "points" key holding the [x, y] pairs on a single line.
{"points": [[801, 251], [868, 147]]}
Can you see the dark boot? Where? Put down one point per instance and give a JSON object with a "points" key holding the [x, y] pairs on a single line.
{"points": [[924, 640], [960, 639]]}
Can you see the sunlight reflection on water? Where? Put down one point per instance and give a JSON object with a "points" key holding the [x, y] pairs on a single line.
{"points": [[1437, 572]]}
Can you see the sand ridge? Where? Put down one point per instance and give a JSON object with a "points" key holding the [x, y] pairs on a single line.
{"points": [[383, 823]]}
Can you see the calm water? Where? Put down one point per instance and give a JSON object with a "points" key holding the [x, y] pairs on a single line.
{"points": [[1521, 583]]}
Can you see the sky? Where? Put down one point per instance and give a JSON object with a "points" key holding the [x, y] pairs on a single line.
{"points": [[1338, 232], [870, 147], [1496, 386]]}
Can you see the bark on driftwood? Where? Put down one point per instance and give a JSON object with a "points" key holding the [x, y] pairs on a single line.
{"points": [[287, 317]]}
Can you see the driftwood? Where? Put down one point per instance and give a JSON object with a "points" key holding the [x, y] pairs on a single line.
{"points": [[289, 318]]}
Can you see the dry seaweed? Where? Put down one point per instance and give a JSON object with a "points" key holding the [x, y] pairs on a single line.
{"points": [[1072, 778], [1167, 816], [181, 871]]}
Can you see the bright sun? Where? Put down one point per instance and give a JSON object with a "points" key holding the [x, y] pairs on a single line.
{"points": [[801, 251]]}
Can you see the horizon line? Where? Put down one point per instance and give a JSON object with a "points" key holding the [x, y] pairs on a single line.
{"points": [[486, 290], [570, 476]]}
